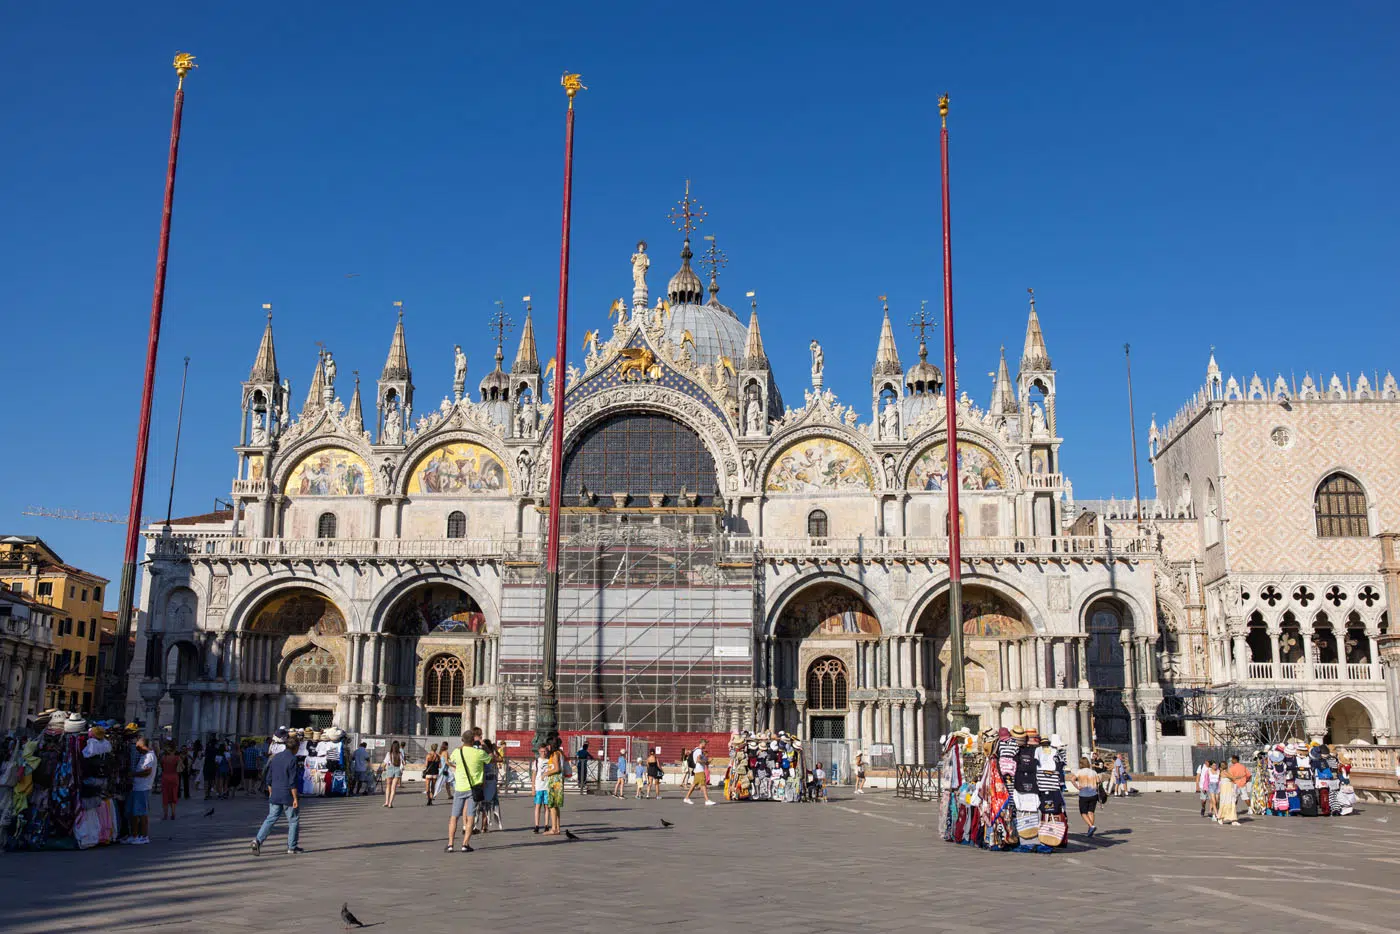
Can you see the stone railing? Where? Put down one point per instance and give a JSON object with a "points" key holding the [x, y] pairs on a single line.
{"points": [[250, 487], [1321, 671], [1046, 481], [1371, 758], [922, 547]]}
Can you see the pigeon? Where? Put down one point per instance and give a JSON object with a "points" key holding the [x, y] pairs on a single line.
{"points": [[571, 835], [350, 920], [209, 813], [666, 823]]}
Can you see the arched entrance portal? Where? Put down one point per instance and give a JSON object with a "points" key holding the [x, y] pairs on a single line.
{"points": [[1110, 668], [432, 657], [818, 664], [997, 660], [1349, 722]]}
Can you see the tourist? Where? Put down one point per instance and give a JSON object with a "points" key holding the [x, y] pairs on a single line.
{"points": [[1213, 791], [1086, 781], [819, 784], [393, 773], [170, 761], [654, 773], [252, 766], [620, 785], [1232, 785], [640, 778], [860, 772], [283, 776], [235, 764], [359, 770], [143, 777], [186, 771], [554, 774], [445, 769], [490, 782], [468, 789], [1203, 785], [584, 757], [211, 770], [701, 759], [223, 770], [1118, 784], [431, 767], [539, 781]]}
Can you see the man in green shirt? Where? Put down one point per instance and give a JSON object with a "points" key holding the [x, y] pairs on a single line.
{"points": [[468, 779]]}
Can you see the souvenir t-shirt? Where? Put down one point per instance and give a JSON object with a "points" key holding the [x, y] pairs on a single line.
{"points": [[1024, 780]]}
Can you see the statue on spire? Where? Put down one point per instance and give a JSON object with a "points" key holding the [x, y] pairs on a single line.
{"points": [[640, 264], [459, 371]]}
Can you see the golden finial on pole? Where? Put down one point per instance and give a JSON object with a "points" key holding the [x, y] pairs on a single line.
{"points": [[943, 108], [572, 85], [184, 63]]}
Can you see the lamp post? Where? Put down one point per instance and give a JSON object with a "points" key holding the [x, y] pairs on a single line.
{"points": [[547, 707], [183, 64]]}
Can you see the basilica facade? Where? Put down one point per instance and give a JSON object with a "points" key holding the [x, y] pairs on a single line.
{"points": [[730, 559]]}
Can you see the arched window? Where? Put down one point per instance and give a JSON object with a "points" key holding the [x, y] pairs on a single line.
{"points": [[456, 525], [325, 526], [1212, 514], [817, 526], [314, 667], [1341, 508], [826, 684], [444, 682]]}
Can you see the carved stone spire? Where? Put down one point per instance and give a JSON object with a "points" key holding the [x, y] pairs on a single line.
{"points": [[355, 417], [527, 358], [265, 364], [316, 395], [396, 366], [887, 354], [1034, 356], [754, 357], [1003, 395]]}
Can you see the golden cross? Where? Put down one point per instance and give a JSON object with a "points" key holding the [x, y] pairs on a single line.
{"points": [[688, 214], [922, 321], [500, 322], [714, 258]]}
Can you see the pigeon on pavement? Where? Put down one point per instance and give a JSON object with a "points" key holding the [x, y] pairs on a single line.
{"points": [[571, 835], [350, 920], [666, 823], [209, 813]]}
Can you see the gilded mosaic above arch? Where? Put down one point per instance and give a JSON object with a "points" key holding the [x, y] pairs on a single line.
{"points": [[330, 472], [459, 467], [818, 464], [977, 467]]}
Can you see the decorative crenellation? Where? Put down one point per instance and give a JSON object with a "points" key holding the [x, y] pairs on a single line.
{"points": [[1337, 389]]}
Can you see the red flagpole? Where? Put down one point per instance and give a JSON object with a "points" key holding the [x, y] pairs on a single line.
{"points": [[547, 710], [957, 706], [183, 63]]}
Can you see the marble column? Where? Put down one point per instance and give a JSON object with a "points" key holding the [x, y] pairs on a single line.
{"points": [[1389, 646], [1082, 661], [1241, 654], [1274, 632], [1086, 726], [1047, 718], [1153, 731], [910, 754]]}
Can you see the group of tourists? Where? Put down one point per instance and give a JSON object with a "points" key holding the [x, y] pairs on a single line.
{"points": [[1289, 778]]}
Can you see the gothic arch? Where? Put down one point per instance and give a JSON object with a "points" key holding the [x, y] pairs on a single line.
{"points": [[926, 441], [383, 601], [1140, 622], [922, 598], [423, 444], [781, 442], [292, 655], [178, 609], [251, 597], [1368, 705], [714, 433], [787, 591]]}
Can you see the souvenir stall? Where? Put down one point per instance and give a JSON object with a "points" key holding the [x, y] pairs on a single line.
{"points": [[1302, 781], [1004, 790], [765, 766], [323, 758], [64, 787]]}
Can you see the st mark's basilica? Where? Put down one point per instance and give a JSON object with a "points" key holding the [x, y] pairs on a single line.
{"points": [[736, 559]]}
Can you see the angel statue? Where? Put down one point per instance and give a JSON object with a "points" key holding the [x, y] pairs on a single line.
{"points": [[329, 367], [640, 264], [818, 362], [459, 370]]}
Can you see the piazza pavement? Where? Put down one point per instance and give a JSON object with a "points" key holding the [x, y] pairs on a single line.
{"points": [[869, 863]]}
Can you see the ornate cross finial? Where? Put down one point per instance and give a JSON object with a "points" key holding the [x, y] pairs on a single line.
{"points": [[688, 213], [921, 321], [500, 324], [714, 260]]}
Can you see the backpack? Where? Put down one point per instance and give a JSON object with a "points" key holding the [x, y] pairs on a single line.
{"points": [[690, 760]]}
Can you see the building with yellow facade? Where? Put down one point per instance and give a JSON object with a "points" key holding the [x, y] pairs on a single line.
{"points": [[30, 567]]}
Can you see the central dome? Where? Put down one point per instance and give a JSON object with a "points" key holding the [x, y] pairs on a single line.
{"points": [[715, 328]]}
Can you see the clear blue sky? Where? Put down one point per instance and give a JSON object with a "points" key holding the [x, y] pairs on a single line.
{"points": [[1182, 177]]}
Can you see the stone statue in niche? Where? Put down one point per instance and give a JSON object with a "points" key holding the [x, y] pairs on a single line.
{"points": [[524, 463], [888, 463], [525, 420], [753, 419], [393, 426], [1037, 419], [259, 437], [889, 421], [750, 465]]}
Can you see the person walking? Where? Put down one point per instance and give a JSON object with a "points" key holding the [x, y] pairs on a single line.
{"points": [[1086, 781], [170, 762], [393, 773], [186, 770], [654, 773], [1213, 791], [444, 770], [359, 770], [468, 791], [860, 772], [252, 766], [222, 770], [640, 779], [283, 800], [539, 782], [620, 785], [701, 758], [1121, 776], [211, 770], [431, 767], [1232, 785], [584, 756], [1203, 785]]}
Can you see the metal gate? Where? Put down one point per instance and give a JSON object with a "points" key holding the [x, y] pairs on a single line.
{"points": [[835, 757]]}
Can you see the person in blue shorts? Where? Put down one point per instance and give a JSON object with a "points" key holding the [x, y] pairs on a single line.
{"points": [[540, 783]]}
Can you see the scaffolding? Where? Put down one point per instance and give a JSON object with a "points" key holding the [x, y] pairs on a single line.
{"points": [[654, 628], [1238, 720]]}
